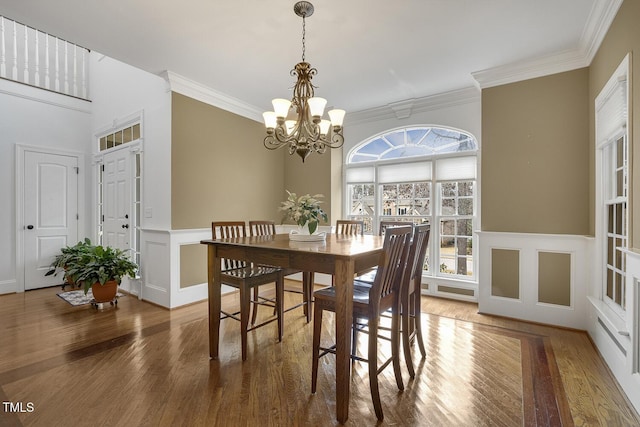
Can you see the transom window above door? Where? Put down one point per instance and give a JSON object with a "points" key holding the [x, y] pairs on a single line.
{"points": [[413, 142]]}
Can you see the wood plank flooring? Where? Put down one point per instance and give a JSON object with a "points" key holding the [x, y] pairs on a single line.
{"points": [[141, 365]]}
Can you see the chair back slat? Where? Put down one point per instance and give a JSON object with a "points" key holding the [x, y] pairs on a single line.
{"points": [[418, 250], [388, 278], [262, 228], [386, 224], [229, 230], [349, 227], [412, 275]]}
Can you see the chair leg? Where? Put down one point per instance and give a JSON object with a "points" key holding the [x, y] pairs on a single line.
{"points": [[354, 336], [406, 334], [254, 310], [417, 321], [279, 304], [395, 348], [317, 327], [245, 302], [308, 278], [373, 368]]}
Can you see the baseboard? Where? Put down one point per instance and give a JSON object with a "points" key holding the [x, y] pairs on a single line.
{"points": [[8, 286]]}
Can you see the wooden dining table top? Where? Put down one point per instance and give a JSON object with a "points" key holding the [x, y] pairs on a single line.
{"points": [[279, 250]]}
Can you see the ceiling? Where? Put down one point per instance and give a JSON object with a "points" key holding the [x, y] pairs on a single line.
{"points": [[368, 53]]}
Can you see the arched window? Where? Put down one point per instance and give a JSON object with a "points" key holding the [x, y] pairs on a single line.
{"points": [[420, 174], [412, 142]]}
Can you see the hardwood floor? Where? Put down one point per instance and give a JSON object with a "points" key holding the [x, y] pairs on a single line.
{"points": [[141, 365]]}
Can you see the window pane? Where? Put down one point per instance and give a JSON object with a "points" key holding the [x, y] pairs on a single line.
{"points": [[423, 189], [464, 227], [448, 206], [465, 207], [465, 188]]}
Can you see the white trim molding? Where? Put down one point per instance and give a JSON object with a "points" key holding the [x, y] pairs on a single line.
{"points": [[602, 15], [404, 109], [200, 92], [527, 305], [616, 337]]}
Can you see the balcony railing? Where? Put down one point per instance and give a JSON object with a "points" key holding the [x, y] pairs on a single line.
{"points": [[39, 59]]}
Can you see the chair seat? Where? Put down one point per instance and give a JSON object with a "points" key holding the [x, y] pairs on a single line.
{"points": [[360, 293], [251, 271]]}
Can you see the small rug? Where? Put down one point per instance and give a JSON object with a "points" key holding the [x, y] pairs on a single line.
{"points": [[79, 298]]}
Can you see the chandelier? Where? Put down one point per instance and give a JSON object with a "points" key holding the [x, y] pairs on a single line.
{"points": [[298, 123]]}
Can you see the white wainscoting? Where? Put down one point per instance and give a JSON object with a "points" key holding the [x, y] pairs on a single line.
{"points": [[527, 306], [160, 266], [618, 337]]}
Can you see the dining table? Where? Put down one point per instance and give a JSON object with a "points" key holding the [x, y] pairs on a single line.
{"points": [[338, 255]]}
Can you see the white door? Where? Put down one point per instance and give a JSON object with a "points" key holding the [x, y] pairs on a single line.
{"points": [[50, 213], [116, 193]]}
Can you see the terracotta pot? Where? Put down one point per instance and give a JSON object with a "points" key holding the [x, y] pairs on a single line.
{"points": [[106, 292]]}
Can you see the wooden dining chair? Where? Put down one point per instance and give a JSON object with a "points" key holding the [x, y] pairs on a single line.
{"points": [[368, 303], [350, 227], [410, 294], [268, 228], [246, 276]]}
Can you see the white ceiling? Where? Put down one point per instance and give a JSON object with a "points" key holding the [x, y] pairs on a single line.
{"points": [[368, 53]]}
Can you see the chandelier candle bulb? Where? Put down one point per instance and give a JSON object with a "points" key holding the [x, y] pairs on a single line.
{"points": [[270, 120], [325, 125], [305, 132], [316, 106], [337, 117], [281, 107]]}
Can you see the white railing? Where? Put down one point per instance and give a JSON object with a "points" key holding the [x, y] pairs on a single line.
{"points": [[39, 59]]}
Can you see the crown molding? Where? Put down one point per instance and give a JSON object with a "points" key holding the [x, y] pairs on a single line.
{"points": [[200, 92], [404, 109], [552, 64], [602, 15], [600, 18]]}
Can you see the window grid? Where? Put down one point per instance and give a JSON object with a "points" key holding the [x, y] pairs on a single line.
{"points": [[616, 219], [456, 228]]}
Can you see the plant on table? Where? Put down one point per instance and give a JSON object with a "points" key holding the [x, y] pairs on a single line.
{"points": [[304, 210]]}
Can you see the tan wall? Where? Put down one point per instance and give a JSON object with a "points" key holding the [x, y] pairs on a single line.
{"points": [[220, 168], [193, 265], [535, 158], [311, 177], [623, 37]]}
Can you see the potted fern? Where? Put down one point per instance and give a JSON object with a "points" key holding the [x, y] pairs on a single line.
{"points": [[98, 268], [101, 269]]}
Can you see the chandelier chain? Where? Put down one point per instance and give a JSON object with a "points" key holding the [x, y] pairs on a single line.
{"points": [[304, 31]]}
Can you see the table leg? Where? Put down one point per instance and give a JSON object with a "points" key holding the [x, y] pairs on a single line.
{"points": [[343, 281], [214, 285]]}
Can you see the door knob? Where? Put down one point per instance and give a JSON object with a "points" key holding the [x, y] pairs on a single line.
{"points": [[29, 227], [125, 226]]}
